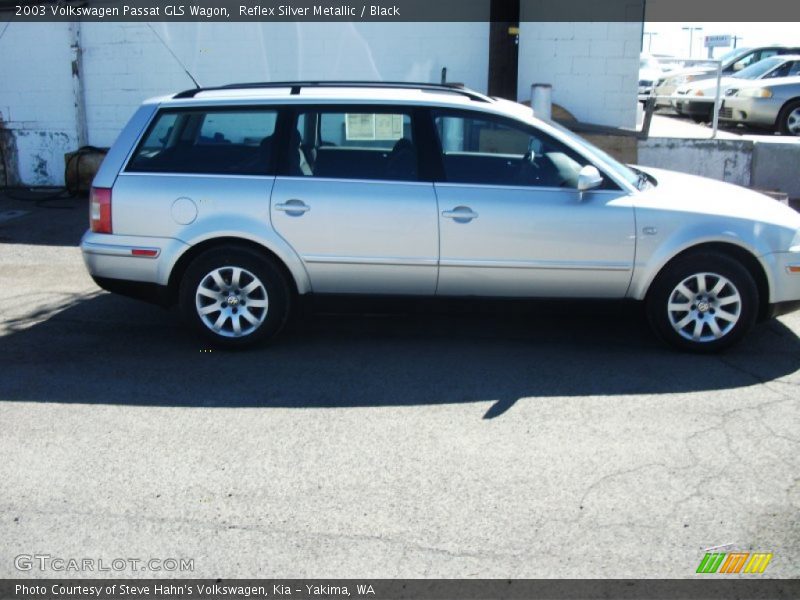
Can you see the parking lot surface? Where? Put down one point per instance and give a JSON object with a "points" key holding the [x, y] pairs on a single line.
{"points": [[472, 440]]}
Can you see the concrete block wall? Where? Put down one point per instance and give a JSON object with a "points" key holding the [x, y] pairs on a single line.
{"points": [[125, 63], [593, 67], [37, 108]]}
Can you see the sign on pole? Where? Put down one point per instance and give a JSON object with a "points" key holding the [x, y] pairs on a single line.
{"points": [[718, 41]]}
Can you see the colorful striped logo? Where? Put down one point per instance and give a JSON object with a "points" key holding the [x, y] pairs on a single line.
{"points": [[734, 562]]}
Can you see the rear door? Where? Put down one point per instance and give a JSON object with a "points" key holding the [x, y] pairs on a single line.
{"points": [[354, 203]]}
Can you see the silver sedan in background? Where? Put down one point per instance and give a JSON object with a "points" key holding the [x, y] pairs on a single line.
{"points": [[774, 105]]}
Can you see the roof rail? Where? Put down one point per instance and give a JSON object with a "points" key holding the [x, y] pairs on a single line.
{"points": [[296, 86]]}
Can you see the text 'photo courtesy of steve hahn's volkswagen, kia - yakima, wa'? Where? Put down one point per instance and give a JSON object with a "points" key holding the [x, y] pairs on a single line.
{"points": [[233, 202]]}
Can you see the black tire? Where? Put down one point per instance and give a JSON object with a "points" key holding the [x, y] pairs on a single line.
{"points": [[790, 113], [703, 311], [267, 303]]}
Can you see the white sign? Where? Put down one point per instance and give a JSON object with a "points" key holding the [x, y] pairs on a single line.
{"points": [[718, 41], [373, 127]]}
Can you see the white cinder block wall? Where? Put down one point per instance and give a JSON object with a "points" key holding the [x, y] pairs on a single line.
{"points": [[124, 63], [36, 98], [593, 67]]}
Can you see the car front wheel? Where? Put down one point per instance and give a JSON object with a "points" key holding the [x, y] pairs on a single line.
{"points": [[234, 297], [789, 119], [703, 302]]}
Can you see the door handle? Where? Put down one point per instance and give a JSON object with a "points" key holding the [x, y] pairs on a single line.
{"points": [[293, 208], [460, 214]]}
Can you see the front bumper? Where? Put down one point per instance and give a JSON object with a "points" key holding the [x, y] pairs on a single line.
{"points": [[693, 108], [784, 270], [761, 112]]}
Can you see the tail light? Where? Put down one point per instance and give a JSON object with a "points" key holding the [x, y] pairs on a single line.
{"points": [[100, 210]]}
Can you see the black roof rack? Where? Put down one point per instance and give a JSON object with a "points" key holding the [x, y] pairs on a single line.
{"points": [[296, 86]]}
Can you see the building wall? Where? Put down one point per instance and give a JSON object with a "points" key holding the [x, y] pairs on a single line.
{"points": [[126, 63], [593, 67], [37, 108]]}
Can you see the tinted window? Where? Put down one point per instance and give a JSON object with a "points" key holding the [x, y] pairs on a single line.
{"points": [[357, 144], [485, 151], [752, 58], [223, 141], [790, 69]]}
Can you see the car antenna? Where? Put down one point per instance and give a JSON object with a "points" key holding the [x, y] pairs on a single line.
{"points": [[178, 60]]}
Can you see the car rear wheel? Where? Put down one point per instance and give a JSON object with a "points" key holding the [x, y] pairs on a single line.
{"points": [[703, 302], [789, 119], [234, 297]]}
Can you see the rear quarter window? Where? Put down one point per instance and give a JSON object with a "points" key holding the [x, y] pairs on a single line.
{"points": [[213, 142]]}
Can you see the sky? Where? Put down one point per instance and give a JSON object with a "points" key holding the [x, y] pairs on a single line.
{"points": [[670, 39]]}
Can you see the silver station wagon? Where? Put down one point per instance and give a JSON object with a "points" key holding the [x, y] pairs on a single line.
{"points": [[235, 201]]}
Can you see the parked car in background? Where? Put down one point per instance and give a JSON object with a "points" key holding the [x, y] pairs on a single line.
{"points": [[696, 100], [732, 62], [650, 72], [235, 202], [773, 105]]}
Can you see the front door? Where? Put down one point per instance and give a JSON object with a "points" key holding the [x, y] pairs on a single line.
{"points": [[512, 222]]}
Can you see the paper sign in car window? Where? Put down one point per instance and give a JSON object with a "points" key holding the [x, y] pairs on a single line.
{"points": [[388, 127], [359, 126]]}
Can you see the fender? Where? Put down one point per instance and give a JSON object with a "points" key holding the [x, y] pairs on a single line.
{"points": [[243, 228], [654, 253]]}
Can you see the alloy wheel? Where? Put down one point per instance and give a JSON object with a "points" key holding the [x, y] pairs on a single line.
{"points": [[231, 301], [704, 307]]}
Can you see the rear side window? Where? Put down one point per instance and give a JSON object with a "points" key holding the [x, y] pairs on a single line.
{"points": [[353, 144], [215, 142]]}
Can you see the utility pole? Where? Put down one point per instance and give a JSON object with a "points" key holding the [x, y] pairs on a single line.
{"points": [[650, 35], [691, 31], [736, 38]]}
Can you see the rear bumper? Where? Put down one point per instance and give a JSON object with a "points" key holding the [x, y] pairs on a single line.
{"points": [[149, 292], [130, 258]]}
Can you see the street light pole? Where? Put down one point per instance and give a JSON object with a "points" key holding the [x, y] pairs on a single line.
{"points": [[650, 35], [691, 31]]}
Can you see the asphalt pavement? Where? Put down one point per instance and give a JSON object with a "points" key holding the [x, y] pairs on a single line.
{"points": [[410, 440]]}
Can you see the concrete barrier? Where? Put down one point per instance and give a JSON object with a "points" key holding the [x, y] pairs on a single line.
{"points": [[764, 165]]}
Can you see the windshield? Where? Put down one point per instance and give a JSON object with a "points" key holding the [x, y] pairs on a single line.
{"points": [[632, 177], [649, 63], [759, 69], [731, 56]]}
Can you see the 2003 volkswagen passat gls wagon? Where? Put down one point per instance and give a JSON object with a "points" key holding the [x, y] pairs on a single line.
{"points": [[234, 201]]}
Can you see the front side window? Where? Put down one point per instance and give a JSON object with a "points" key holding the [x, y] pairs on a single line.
{"points": [[215, 141], [353, 144], [481, 150]]}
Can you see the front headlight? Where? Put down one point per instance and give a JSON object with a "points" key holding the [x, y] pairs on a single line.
{"points": [[681, 79], [755, 93]]}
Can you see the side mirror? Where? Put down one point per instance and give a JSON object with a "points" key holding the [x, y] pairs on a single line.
{"points": [[588, 178]]}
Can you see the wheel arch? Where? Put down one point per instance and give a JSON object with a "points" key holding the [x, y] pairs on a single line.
{"points": [[784, 106], [297, 284], [748, 260]]}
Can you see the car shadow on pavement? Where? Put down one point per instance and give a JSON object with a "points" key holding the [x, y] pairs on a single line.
{"points": [[104, 349]]}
